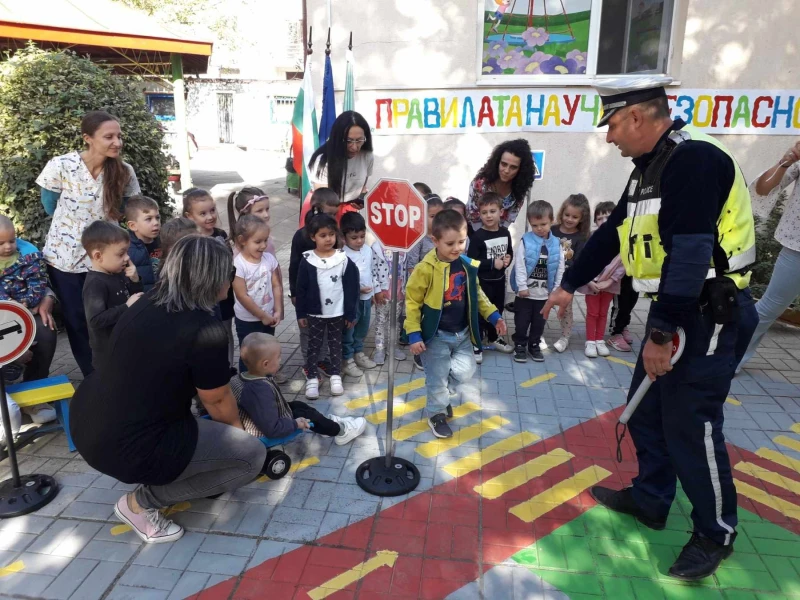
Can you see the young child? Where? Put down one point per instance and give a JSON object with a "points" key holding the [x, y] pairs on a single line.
{"points": [[456, 204], [174, 230], [110, 287], [383, 280], [623, 304], [199, 206], [538, 269], [144, 225], [423, 188], [257, 288], [354, 230], [323, 201], [443, 302], [574, 221], [263, 409], [327, 298], [425, 245], [491, 247], [600, 292], [249, 201]]}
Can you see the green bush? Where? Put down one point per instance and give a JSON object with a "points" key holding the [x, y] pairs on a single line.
{"points": [[43, 96], [767, 249]]}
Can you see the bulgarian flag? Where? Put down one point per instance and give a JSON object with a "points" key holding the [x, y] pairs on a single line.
{"points": [[304, 130]]}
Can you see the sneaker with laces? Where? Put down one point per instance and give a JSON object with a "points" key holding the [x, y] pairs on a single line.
{"points": [[418, 363], [399, 354], [561, 344], [349, 428], [626, 335], [477, 354], [350, 368], [536, 353], [337, 389], [280, 378], [618, 343], [439, 426], [150, 525], [324, 368], [363, 361], [379, 356], [520, 355], [502, 346], [312, 388], [590, 350], [602, 349]]}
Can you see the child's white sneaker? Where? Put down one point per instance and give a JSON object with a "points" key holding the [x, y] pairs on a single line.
{"points": [[591, 350], [337, 389], [379, 356], [363, 361], [561, 344], [312, 388], [349, 428], [399, 354], [41, 413], [602, 349], [350, 368]]}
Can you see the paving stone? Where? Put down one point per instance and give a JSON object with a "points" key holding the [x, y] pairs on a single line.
{"points": [[65, 538], [70, 579], [26, 584], [223, 544], [181, 553], [219, 564], [121, 592], [108, 551], [188, 585], [150, 577]]}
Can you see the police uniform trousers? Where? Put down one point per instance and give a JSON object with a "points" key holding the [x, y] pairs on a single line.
{"points": [[677, 428]]}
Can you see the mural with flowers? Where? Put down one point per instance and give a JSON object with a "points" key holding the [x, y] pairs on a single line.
{"points": [[535, 37]]}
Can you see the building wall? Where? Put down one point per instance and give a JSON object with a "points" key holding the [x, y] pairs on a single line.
{"points": [[433, 45]]}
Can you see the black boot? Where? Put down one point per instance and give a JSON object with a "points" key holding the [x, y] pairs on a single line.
{"points": [[622, 501], [699, 558]]}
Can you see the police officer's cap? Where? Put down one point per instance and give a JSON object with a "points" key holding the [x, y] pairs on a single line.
{"points": [[619, 92]]}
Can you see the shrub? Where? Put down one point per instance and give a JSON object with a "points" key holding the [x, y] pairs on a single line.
{"points": [[43, 96]]}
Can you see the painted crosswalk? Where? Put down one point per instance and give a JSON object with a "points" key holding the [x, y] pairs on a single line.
{"points": [[383, 558], [415, 428], [778, 458], [462, 436], [787, 442], [784, 507], [381, 395], [477, 460], [399, 409], [769, 476], [513, 478]]}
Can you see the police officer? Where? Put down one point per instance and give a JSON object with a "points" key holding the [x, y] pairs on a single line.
{"points": [[684, 230]]}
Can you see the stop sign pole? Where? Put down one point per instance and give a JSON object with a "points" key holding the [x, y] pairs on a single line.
{"points": [[397, 216]]}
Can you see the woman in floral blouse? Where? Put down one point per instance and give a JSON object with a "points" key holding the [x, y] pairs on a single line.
{"points": [[77, 189], [508, 172], [784, 285]]}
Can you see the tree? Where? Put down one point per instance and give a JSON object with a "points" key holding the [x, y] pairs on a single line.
{"points": [[43, 96]]}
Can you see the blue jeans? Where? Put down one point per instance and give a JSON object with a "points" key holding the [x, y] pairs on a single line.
{"points": [[353, 338], [784, 286], [448, 356], [245, 328]]}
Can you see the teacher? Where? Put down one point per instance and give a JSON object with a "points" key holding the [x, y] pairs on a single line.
{"points": [[132, 420], [77, 189], [508, 172]]}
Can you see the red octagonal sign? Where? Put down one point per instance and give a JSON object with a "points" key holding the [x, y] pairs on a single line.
{"points": [[396, 214]]}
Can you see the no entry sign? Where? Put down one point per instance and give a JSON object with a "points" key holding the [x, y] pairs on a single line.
{"points": [[17, 329], [396, 214]]}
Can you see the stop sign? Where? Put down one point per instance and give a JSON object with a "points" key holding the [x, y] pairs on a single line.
{"points": [[396, 214]]}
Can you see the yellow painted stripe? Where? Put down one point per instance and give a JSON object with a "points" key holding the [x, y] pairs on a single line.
{"points": [[513, 478], [781, 459], [620, 361], [400, 409], [795, 428], [536, 380], [753, 493], [462, 436], [733, 401], [479, 459], [303, 464], [417, 427], [787, 442], [768, 476], [380, 395], [384, 558], [14, 567], [170, 510], [561, 492], [62, 391]]}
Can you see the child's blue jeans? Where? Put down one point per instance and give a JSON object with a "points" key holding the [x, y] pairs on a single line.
{"points": [[447, 356], [353, 338]]}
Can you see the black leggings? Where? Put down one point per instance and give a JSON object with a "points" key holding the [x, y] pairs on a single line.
{"points": [[322, 424], [496, 293], [624, 302], [317, 326]]}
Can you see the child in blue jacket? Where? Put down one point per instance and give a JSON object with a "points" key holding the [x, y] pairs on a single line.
{"points": [[144, 226]]}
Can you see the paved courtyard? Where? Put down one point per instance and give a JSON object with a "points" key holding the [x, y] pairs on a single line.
{"points": [[502, 509]]}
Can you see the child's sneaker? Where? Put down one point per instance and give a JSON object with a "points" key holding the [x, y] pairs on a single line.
{"points": [[150, 524], [536, 353], [363, 361], [618, 343], [590, 350], [520, 355], [41, 413], [337, 389], [626, 335], [350, 368], [324, 368], [478, 355], [502, 346], [418, 363], [280, 378], [399, 354], [439, 426], [349, 428], [602, 349], [312, 388], [379, 356], [561, 344], [449, 411]]}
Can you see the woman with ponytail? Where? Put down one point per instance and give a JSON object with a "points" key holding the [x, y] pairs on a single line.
{"points": [[77, 189]]}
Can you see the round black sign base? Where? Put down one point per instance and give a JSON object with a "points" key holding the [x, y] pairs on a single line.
{"points": [[35, 492], [400, 477]]}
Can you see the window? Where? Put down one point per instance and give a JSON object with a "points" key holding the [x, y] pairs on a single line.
{"points": [[282, 110], [572, 41]]}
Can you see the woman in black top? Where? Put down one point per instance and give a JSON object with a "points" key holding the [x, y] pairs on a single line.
{"points": [[132, 419]]}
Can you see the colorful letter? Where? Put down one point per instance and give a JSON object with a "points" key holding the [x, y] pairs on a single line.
{"points": [[706, 101], [467, 104], [532, 109], [398, 111], [742, 112], [796, 116], [671, 102], [378, 103], [433, 112], [486, 112], [553, 111], [501, 104], [572, 109], [718, 100], [778, 111], [756, 106], [515, 111], [594, 108], [452, 112], [414, 114], [688, 112]]}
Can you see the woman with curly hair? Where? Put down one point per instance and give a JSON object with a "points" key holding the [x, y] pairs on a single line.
{"points": [[508, 172]]}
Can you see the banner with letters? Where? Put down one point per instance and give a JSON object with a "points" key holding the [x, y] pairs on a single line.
{"points": [[568, 110]]}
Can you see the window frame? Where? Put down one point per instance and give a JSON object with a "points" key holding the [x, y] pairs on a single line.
{"points": [[676, 38]]}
